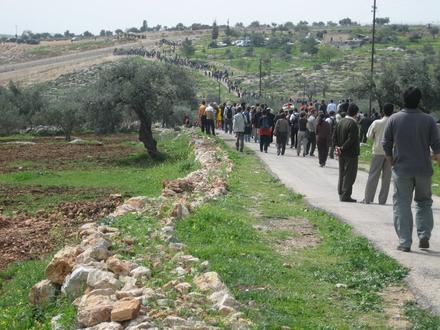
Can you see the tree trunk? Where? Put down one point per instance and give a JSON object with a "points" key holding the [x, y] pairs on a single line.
{"points": [[146, 135]]}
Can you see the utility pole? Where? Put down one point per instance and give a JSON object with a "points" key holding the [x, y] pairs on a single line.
{"points": [[219, 92], [372, 56], [16, 33], [261, 75]]}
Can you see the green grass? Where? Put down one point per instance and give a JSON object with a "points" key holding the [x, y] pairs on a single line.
{"points": [[304, 296], [208, 89], [18, 278], [421, 319], [15, 311], [136, 174]]}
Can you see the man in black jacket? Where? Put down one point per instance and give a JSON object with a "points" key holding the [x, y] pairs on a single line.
{"points": [[346, 142]]}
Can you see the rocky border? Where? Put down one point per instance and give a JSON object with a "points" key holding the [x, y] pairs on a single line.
{"points": [[108, 290]]}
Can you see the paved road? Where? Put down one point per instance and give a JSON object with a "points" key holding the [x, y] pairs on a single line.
{"points": [[318, 185]]}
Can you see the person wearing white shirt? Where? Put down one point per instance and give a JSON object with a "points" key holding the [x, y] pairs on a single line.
{"points": [[331, 107], [379, 164]]}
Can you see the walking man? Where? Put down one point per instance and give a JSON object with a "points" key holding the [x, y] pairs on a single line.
{"points": [[346, 142], [323, 130], [281, 131], [202, 116], [409, 136], [311, 134], [228, 116], [239, 125], [379, 164], [210, 118], [294, 119], [302, 134]]}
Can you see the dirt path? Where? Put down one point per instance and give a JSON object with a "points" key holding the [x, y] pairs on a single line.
{"points": [[50, 68], [318, 185]]}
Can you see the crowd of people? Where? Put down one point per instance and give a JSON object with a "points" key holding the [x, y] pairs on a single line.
{"points": [[171, 57], [402, 144]]}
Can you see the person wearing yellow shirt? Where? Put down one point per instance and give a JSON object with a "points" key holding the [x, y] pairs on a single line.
{"points": [[220, 116], [202, 116]]}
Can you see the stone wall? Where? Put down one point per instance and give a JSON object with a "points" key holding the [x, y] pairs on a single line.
{"points": [[108, 290]]}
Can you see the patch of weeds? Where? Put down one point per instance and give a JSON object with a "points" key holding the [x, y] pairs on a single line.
{"points": [[15, 309], [421, 319]]}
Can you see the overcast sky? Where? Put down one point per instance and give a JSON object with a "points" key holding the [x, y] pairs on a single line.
{"points": [[94, 15]]}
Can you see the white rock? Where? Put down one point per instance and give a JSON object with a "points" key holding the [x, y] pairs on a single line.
{"points": [[141, 272], [129, 283], [209, 281], [130, 293], [222, 298], [75, 283], [55, 323], [180, 271], [42, 292], [189, 259], [107, 326], [168, 229], [174, 321], [99, 279], [177, 246]]}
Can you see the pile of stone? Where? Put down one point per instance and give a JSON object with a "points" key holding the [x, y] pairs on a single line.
{"points": [[113, 293]]}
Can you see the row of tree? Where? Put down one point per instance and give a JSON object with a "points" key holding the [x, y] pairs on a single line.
{"points": [[132, 90], [392, 78]]}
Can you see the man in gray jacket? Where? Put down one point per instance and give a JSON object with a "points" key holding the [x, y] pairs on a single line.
{"points": [[238, 126], [409, 136]]}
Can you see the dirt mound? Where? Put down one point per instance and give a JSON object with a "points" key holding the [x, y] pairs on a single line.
{"points": [[24, 236], [296, 233], [51, 154]]}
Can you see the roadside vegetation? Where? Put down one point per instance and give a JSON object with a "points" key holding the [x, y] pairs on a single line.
{"points": [[323, 277]]}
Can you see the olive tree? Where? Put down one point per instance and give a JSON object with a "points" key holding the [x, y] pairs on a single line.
{"points": [[149, 90]]}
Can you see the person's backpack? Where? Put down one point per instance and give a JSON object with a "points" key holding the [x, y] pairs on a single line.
{"points": [[247, 121], [295, 120], [265, 122], [229, 113]]}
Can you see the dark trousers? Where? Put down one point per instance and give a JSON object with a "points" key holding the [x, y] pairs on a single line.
{"points": [[239, 144], [332, 151], [228, 126], [363, 135], [210, 128], [203, 123], [348, 167], [322, 151], [294, 137], [264, 142], [311, 144], [281, 142]]}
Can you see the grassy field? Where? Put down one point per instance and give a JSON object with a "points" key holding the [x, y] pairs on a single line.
{"points": [[208, 89], [49, 50], [120, 166], [136, 174]]}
